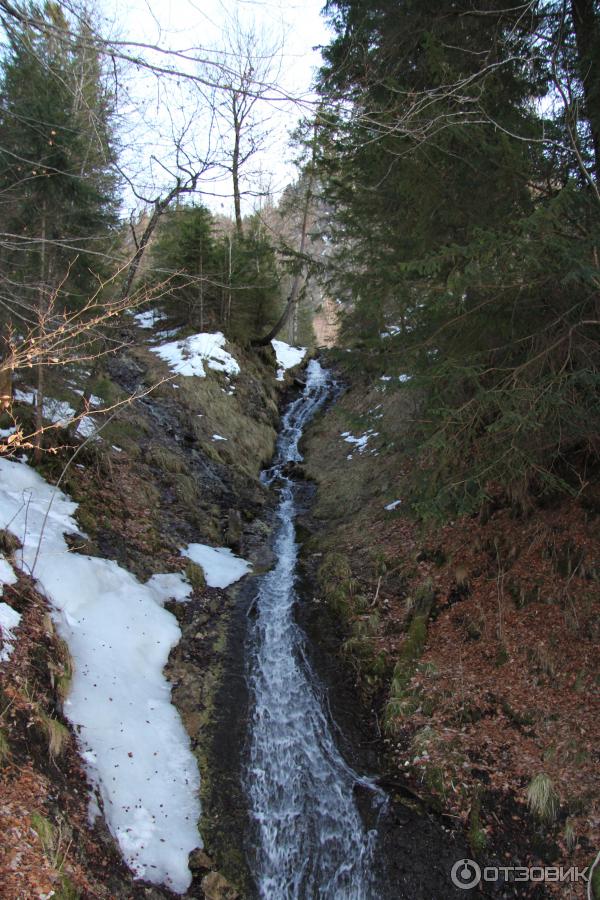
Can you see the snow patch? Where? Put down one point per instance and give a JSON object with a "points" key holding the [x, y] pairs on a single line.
{"points": [[9, 619], [220, 565], [188, 356], [148, 318], [169, 586], [218, 437], [393, 504], [360, 442], [93, 400], [7, 573], [137, 752], [59, 412], [168, 333], [287, 357], [24, 396], [87, 427]]}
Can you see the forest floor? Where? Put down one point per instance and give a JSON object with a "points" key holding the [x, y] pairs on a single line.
{"points": [[493, 709]]}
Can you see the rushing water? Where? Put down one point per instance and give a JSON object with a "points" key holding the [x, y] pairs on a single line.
{"points": [[309, 839]]}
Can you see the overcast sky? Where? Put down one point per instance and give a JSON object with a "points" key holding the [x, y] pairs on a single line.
{"points": [[183, 24]]}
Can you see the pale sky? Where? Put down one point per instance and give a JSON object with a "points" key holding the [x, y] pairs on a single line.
{"points": [[185, 25]]}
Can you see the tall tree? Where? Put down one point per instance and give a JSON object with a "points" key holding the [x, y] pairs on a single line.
{"points": [[56, 180], [56, 151], [464, 216], [586, 22], [186, 251], [248, 65]]}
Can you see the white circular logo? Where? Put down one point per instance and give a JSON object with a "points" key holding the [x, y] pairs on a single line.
{"points": [[465, 874]]}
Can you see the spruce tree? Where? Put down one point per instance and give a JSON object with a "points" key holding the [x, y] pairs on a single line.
{"points": [[56, 155], [56, 177], [218, 278], [464, 215]]}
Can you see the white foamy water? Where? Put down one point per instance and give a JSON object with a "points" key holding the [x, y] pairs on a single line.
{"points": [[310, 841]]}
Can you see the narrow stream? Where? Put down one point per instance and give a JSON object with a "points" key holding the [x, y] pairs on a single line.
{"points": [[309, 840]]}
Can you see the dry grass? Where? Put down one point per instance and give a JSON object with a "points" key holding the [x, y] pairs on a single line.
{"points": [[166, 460], [542, 799], [57, 734]]}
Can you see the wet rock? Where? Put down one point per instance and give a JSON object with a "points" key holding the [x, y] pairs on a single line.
{"points": [[293, 470], [126, 372], [216, 887]]}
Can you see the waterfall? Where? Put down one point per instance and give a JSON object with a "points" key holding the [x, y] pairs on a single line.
{"points": [[309, 840]]}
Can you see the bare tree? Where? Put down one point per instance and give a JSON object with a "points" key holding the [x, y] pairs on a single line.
{"points": [[299, 255], [248, 65], [53, 332]]}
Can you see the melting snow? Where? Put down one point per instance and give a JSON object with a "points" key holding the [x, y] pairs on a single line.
{"points": [[392, 331], [220, 565], [59, 412], [7, 574], [9, 617], [24, 396], [168, 333], [87, 427], [188, 356], [360, 442], [138, 753], [148, 318], [92, 399], [287, 357]]}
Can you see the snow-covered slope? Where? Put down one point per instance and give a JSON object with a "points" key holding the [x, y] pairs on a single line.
{"points": [[132, 739], [287, 357], [190, 355], [220, 565]]}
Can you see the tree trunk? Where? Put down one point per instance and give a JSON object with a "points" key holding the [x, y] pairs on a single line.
{"points": [[42, 304], [235, 174], [587, 36], [297, 282]]}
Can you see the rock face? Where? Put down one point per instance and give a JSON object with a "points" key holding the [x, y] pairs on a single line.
{"points": [[216, 887]]}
